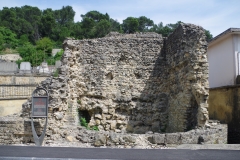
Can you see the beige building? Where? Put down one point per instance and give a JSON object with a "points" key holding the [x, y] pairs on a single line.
{"points": [[224, 57]]}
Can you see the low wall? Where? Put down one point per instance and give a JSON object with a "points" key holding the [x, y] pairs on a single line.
{"points": [[14, 130], [224, 106]]}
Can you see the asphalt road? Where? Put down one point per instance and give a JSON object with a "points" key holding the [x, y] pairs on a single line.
{"points": [[70, 153]]}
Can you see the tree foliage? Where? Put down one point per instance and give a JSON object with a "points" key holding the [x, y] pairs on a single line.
{"points": [[208, 35], [45, 44], [59, 24], [144, 24], [29, 53], [130, 25], [35, 32], [7, 38]]}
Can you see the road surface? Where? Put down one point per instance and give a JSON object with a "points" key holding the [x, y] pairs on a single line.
{"points": [[72, 153]]}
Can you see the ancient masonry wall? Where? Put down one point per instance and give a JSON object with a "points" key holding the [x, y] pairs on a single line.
{"points": [[17, 130], [138, 83], [187, 81]]}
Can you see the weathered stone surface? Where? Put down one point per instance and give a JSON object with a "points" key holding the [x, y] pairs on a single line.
{"points": [[173, 138], [58, 115], [100, 140], [131, 84], [70, 138], [140, 82], [158, 139]]}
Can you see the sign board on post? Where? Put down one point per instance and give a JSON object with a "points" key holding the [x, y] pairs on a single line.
{"points": [[39, 110], [39, 106]]}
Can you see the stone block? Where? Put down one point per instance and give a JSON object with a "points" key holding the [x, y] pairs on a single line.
{"points": [[188, 138], [100, 140], [158, 139], [173, 138], [113, 137], [130, 139], [70, 138]]}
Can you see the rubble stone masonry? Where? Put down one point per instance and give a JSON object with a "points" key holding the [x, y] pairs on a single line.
{"points": [[130, 84], [139, 82]]}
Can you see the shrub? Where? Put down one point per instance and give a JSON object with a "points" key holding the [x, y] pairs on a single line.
{"points": [[84, 123]]}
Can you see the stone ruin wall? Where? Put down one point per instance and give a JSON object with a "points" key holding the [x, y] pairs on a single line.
{"points": [[187, 82], [128, 85], [136, 83]]}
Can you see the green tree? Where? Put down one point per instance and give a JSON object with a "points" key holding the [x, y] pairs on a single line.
{"points": [[173, 26], [8, 18], [65, 32], [102, 28], [87, 27], [29, 53], [64, 16], [23, 39], [46, 45], [96, 16], [8, 38], [95, 24], [1, 41], [33, 16], [48, 23], [115, 25], [77, 30], [26, 51], [130, 25], [144, 24], [208, 35], [165, 30]]}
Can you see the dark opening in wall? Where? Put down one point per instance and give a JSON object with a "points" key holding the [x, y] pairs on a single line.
{"points": [[109, 76], [84, 114], [234, 124], [192, 115]]}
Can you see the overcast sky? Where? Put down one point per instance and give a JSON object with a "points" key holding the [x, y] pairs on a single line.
{"points": [[213, 15]]}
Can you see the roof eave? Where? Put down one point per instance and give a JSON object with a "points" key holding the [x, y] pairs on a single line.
{"points": [[223, 35]]}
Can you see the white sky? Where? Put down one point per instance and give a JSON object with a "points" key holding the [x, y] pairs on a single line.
{"points": [[213, 15]]}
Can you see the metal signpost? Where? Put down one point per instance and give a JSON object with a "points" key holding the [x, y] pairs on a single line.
{"points": [[39, 110]]}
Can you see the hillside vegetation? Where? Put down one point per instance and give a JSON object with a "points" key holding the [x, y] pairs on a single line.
{"points": [[33, 32]]}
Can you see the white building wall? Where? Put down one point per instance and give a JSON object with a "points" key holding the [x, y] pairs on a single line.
{"points": [[222, 63]]}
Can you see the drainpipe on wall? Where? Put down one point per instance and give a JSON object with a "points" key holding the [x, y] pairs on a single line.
{"points": [[238, 65]]}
